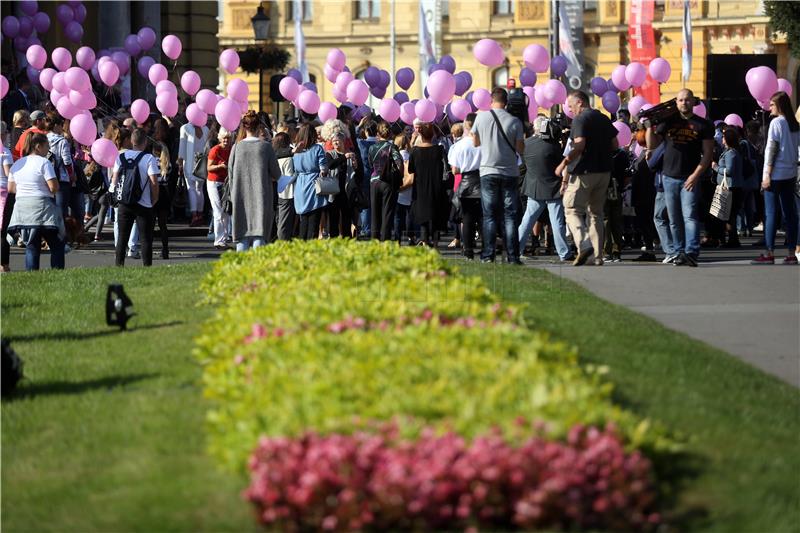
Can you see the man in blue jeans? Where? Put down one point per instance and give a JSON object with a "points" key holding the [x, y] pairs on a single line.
{"points": [[499, 136], [689, 149]]}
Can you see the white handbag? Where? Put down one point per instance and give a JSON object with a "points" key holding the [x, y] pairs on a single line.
{"points": [[723, 199]]}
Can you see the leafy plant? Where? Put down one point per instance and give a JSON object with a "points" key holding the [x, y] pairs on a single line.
{"points": [[266, 57], [785, 17]]}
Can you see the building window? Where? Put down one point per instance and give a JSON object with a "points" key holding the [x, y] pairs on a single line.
{"points": [[500, 77], [503, 7], [590, 5], [445, 8], [367, 9], [305, 6]]}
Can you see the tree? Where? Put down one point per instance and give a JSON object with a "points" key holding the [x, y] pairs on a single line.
{"points": [[267, 57], [785, 17]]}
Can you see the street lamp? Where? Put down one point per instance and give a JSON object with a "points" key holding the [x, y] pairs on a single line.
{"points": [[260, 23]]}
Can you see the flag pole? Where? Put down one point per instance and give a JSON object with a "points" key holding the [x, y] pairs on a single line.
{"points": [[393, 44]]}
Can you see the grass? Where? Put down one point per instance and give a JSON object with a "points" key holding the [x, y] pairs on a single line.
{"points": [[106, 433]]}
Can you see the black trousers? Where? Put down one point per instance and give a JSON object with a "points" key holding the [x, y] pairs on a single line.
{"points": [[614, 225], [6, 248], [340, 212], [382, 201], [144, 219], [309, 224], [471, 213], [161, 211]]}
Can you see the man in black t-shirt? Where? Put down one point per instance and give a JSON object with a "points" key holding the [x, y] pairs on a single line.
{"points": [[588, 166], [688, 153]]}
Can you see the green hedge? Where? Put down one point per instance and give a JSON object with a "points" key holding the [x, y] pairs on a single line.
{"points": [[324, 334]]}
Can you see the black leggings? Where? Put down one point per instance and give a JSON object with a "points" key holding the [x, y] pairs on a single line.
{"points": [[143, 218], [6, 248], [309, 224], [339, 211], [471, 213], [161, 212], [99, 218]]}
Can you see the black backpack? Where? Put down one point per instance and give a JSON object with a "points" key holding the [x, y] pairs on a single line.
{"points": [[518, 105], [129, 183]]}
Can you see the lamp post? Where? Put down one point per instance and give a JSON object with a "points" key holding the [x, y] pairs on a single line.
{"points": [[260, 23]]}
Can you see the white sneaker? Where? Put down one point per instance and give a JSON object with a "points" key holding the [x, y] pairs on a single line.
{"points": [[67, 249], [797, 255], [134, 254], [10, 240], [669, 259]]}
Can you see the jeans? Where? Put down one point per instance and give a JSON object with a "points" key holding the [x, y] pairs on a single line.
{"points": [[70, 200], [661, 221], [34, 248], [142, 217], [780, 194], [195, 192], [249, 242], [499, 193], [556, 210], [684, 217], [402, 221], [222, 220]]}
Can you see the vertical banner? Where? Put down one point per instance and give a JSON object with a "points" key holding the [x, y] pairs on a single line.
{"points": [[686, 52], [428, 15], [643, 45], [300, 40], [570, 40]]}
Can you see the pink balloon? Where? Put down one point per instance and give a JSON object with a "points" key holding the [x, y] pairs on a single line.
{"points": [[357, 92], [83, 100], [62, 59], [569, 113], [425, 110], [83, 128], [167, 104], [60, 83], [309, 102], [541, 100], [660, 70], [327, 111], [196, 116], [140, 110], [330, 73], [555, 92], [635, 104], [488, 52], [536, 57], [389, 109], [441, 87], [4, 86], [104, 152], [620, 80], [66, 109], [190, 82], [482, 99], [764, 104], [460, 109], [228, 113], [206, 100], [245, 105], [229, 60], [171, 46], [763, 83], [55, 96], [85, 57], [734, 120], [289, 88], [122, 60], [407, 113], [636, 74], [109, 72], [46, 79], [340, 93], [785, 86], [166, 86], [146, 37], [623, 134], [238, 90], [336, 59], [344, 78], [77, 79], [157, 73], [36, 56]]}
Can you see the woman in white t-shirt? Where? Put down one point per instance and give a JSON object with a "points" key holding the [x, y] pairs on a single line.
{"points": [[34, 182], [6, 200], [192, 142]]}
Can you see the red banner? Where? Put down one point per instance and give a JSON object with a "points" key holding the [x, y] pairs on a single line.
{"points": [[643, 44]]}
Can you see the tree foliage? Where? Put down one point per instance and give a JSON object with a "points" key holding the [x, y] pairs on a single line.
{"points": [[785, 17], [267, 57]]}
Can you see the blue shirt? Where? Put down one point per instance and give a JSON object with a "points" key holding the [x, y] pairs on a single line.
{"points": [[730, 164], [308, 165]]}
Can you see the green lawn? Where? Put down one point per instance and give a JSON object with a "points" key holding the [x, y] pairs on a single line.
{"points": [[106, 433]]}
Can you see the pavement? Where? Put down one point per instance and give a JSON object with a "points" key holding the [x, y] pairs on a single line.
{"points": [[751, 312]]}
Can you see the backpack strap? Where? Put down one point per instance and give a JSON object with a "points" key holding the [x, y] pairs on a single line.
{"points": [[502, 131]]}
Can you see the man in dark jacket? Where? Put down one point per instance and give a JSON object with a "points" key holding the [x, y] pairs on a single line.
{"points": [[543, 188]]}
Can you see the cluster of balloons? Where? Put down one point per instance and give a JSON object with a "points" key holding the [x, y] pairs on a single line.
{"points": [[623, 77], [762, 82]]}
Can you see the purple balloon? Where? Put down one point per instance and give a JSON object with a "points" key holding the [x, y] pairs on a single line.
{"points": [[33, 74], [294, 73], [599, 86], [310, 86], [132, 45], [80, 13], [448, 63], [610, 86], [401, 97], [146, 37], [436, 66], [468, 98], [425, 92], [25, 26], [461, 83], [404, 77], [10, 26], [64, 14], [558, 66], [21, 43], [611, 102], [378, 92], [74, 32], [41, 22], [29, 7], [527, 77], [34, 40], [122, 60], [372, 76], [144, 64], [385, 80]]}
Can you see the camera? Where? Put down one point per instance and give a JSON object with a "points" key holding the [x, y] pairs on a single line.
{"points": [[659, 113]]}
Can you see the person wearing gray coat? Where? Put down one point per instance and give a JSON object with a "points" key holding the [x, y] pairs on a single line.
{"points": [[252, 168]]}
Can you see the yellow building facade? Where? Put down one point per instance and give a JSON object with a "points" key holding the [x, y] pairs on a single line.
{"points": [[719, 27]]}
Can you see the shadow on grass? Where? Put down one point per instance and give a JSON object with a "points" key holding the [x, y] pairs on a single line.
{"points": [[675, 472], [56, 388], [79, 335]]}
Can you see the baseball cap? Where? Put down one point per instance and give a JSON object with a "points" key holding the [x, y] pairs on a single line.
{"points": [[37, 115]]}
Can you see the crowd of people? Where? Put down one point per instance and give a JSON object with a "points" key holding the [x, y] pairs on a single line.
{"points": [[554, 186]]}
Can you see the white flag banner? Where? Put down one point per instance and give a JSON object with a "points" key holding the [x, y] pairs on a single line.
{"points": [[686, 52], [567, 48], [300, 40], [427, 56]]}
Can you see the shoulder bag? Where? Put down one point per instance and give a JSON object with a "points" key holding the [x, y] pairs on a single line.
{"points": [[723, 199]]}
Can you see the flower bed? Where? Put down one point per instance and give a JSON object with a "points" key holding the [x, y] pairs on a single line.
{"points": [[332, 336]]}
